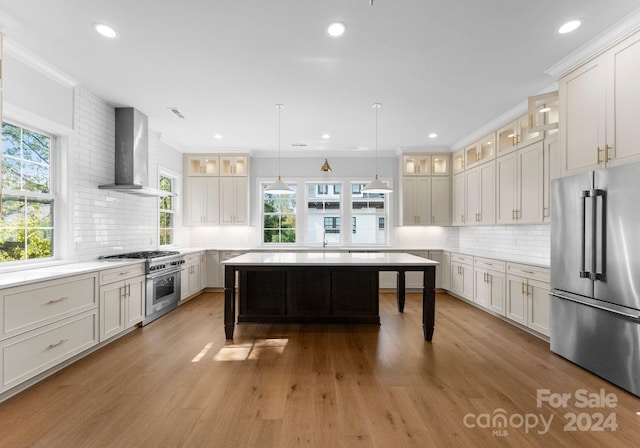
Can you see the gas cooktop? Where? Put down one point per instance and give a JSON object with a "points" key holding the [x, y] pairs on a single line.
{"points": [[146, 255]]}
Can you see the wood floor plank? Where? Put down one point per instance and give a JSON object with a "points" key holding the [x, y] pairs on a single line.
{"points": [[178, 383]]}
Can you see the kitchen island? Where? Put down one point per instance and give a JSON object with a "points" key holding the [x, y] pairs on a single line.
{"points": [[319, 287]]}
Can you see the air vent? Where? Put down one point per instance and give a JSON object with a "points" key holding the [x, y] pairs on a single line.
{"points": [[299, 145], [176, 112]]}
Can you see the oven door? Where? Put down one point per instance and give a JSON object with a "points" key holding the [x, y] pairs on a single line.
{"points": [[163, 293]]}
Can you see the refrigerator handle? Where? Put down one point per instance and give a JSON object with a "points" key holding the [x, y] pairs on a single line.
{"points": [[602, 275], [583, 221]]}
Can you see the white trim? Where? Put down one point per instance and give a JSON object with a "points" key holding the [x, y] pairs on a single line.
{"points": [[18, 114], [36, 62], [597, 45]]}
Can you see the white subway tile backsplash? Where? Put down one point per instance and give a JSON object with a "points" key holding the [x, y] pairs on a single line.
{"points": [[105, 221], [533, 240]]}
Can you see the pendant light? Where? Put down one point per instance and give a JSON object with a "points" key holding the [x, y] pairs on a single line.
{"points": [[377, 186], [278, 187], [325, 168]]}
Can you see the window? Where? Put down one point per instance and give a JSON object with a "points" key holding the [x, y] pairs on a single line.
{"points": [[167, 211], [370, 209], [332, 225], [279, 217], [323, 213], [27, 200]]}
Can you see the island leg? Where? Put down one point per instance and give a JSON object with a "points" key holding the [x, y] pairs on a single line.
{"points": [[400, 291], [429, 302], [229, 300]]}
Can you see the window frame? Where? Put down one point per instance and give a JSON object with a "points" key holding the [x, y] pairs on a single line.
{"points": [[261, 185], [55, 149], [173, 211]]}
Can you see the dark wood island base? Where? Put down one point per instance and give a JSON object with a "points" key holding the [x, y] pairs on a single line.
{"points": [[319, 293]]}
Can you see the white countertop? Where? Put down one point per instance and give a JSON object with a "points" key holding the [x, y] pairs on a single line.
{"points": [[329, 259], [26, 276]]}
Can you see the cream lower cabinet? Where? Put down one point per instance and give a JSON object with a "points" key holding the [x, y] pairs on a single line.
{"points": [[191, 275], [527, 300], [462, 275], [489, 284], [122, 302], [212, 268], [44, 324], [414, 280], [446, 270]]}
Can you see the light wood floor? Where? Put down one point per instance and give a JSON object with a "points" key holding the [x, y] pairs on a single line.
{"points": [[177, 383]]}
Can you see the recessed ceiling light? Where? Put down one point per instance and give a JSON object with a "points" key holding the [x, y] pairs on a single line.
{"points": [[217, 136], [326, 136], [433, 135], [336, 29], [105, 30], [571, 25]]}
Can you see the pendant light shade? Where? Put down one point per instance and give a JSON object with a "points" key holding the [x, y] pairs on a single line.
{"points": [[325, 167], [377, 186], [279, 186]]}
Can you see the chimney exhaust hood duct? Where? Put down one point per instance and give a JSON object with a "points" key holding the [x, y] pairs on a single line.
{"points": [[132, 154]]}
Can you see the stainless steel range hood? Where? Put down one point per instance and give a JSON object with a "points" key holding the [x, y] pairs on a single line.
{"points": [[132, 154]]}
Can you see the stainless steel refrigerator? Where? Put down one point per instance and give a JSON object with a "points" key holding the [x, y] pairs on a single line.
{"points": [[595, 273]]}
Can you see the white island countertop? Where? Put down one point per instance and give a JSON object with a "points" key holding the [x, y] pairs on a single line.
{"points": [[329, 259]]}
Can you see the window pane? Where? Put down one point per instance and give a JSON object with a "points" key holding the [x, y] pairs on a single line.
{"points": [[166, 214], [11, 173], [13, 211], [11, 138], [35, 147], [323, 213], [39, 243], [35, 177], [279, 217], [369, 214], [12, 244], [39, 213]]}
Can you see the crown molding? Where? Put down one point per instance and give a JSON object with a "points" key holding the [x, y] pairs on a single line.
{"points": [[25, 56], [597, 45]]}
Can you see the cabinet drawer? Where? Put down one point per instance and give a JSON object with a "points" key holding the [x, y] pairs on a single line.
{"points": [[461, 258], [488, 263], [29, 307], [31, 353], [122, 273], [192, 258], [533, 272]]}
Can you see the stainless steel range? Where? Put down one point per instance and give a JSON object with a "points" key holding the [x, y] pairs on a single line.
{"points": [[162, 270]]}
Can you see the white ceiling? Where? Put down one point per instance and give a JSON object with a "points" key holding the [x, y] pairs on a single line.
{"points": [[436, 66]]}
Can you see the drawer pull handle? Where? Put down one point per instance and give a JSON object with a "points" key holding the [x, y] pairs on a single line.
{"points": [[60, 342], [59, 299], [528, 272]]}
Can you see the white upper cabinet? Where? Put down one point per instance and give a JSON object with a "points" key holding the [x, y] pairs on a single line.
{"points": [[426, 196], [599, 110], [458, 161], [459, 204]]}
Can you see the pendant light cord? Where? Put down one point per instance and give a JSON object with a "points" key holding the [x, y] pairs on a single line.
{"points": [[279, 107], [376, 106]]}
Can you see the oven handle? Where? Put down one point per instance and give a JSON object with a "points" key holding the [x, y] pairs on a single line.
{"points": [[163, 273]]}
